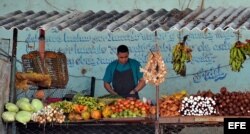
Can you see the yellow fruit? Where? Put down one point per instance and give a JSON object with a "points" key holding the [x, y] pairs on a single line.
{"points": [[102, 104], [106, 112], [183, 92], [85, 115]]}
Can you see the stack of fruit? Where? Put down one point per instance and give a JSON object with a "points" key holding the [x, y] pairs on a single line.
{"points": [[198, 106], [233, 103], [66, 106], [170, 104], [129, 108], [90, 102]]}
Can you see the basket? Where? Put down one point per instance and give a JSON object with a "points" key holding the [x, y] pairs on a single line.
{"points": [[54, 64], [32, 63]]}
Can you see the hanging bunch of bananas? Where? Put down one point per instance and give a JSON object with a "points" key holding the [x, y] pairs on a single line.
{"points": [[181, 54], [237, 56]]}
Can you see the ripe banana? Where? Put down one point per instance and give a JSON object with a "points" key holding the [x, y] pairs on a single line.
{"points": [[181, 54]]}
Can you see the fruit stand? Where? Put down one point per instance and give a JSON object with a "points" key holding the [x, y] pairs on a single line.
{"points": [[113, 114]]}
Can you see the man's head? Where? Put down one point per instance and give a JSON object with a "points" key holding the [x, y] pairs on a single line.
{"points": [[122, 54]]}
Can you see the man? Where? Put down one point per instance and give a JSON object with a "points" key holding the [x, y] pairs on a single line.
{"points": [[124, 74]]}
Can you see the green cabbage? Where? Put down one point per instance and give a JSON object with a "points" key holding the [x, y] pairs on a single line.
{"points": [[37, 104], [26, 106], [11, 107], [24, 99], [8, 116], [21, 100], [23, 117]]}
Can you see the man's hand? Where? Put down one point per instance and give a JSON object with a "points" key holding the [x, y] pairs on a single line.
{"points": [[108, 87], [132, 92]]}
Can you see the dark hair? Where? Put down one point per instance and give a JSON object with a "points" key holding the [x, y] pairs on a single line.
{"points": [[122, 49]]}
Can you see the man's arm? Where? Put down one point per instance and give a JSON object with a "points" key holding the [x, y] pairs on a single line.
{"points": [[109, 88], [139, 86]]}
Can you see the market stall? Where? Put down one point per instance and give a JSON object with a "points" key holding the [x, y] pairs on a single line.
{"points": [[193, 66]]}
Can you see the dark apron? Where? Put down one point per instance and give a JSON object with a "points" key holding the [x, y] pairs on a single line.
{"points": [[123, 83]]}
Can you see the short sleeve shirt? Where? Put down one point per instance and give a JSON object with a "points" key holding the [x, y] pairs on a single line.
{"points": [[133, 64]]}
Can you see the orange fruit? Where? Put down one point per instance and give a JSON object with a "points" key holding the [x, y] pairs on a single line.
{"points": [[96, 114]]}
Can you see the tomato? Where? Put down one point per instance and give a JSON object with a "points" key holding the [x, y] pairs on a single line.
{"points": [[132, 102], [121, 105], [119, 100], [131, 107], [143, 108], [120, 110], [112, 107], [125, 102], [143, 112], [135, 109], [127, 106], [147, 107]]}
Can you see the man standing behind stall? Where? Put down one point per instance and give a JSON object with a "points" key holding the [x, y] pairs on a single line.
{"points": [[123, 76]]}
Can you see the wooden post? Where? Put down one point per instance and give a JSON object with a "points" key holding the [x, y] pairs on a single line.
{"points": [[157, 111], [12, 127], [42, 44]]}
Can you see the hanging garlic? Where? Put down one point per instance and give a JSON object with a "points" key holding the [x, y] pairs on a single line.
{"points": [[155, 70]]}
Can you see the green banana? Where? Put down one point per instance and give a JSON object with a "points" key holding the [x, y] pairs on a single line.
{"points": [[237, 56]]}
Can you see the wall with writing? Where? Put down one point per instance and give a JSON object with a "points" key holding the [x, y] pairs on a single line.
{"points": [[93, 51]]}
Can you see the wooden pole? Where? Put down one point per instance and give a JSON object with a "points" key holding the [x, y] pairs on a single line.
{"points": [[157, 125], [42, 44], [12, 127]]}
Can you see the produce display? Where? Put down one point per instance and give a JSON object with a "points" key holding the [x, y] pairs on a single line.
{"points": [[66, 106], [180, 55], [48, 114], [233, 103], [130, 108], [22, 110], [203, 103], [91, 102], [198, 106], [170, 105]]}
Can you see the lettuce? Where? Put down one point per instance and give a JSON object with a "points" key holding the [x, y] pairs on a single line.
{"points": [[23, 117], [26, 106], [8, 116], [37, 104], [11, 107]]}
